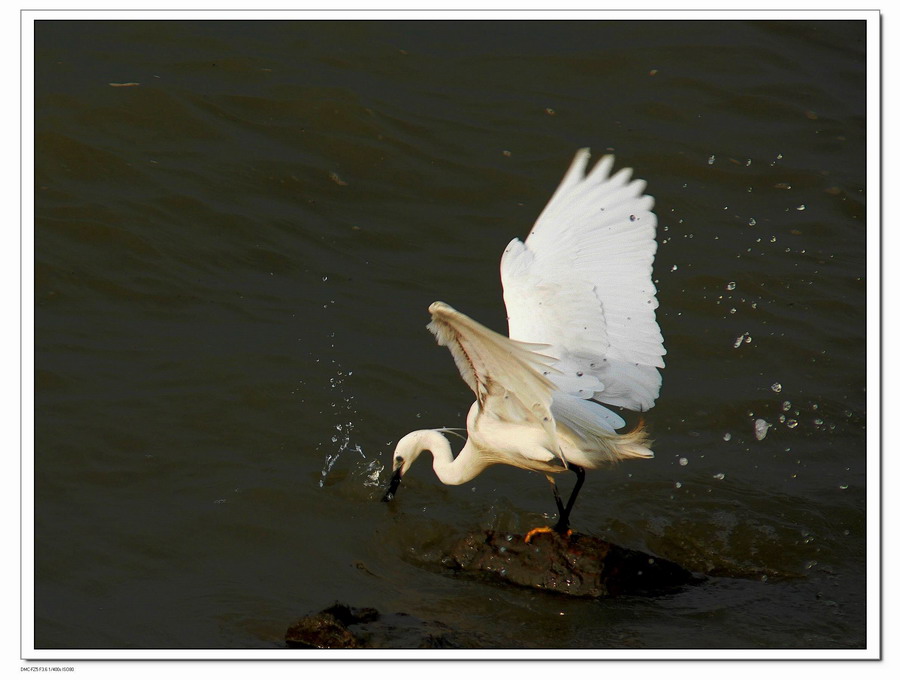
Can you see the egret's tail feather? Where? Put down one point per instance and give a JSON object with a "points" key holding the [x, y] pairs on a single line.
{"points": [[636, 442], [611, 447]]}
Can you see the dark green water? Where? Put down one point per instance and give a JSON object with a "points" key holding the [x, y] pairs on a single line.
{"points": [[233, 264]]}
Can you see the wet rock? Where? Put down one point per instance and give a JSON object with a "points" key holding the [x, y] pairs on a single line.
{"points": [[577, 565], [344, 627], [329, 628]]}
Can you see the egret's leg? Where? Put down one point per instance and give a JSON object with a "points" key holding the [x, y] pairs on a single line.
{"points": [[562, 526], [559, 506], [556, 497]]}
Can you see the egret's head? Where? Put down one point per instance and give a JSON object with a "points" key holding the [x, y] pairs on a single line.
{"points": [[407, 450]]}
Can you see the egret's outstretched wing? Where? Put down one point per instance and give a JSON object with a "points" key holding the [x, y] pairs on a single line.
{"points": [[510, 379], [581, 283]]}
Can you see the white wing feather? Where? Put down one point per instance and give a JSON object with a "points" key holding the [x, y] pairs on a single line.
{"points": [[510, 379], [581, 284]]}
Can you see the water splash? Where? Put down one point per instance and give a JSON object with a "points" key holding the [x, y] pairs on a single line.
{"points": [[341, 440], [742, 338], [373, 473]]}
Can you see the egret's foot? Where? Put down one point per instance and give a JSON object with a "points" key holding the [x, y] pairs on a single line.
{"points": [[546, 530], [537, 530]]}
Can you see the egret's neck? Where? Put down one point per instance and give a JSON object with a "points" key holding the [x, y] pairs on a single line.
{"points": [[450, 470]]}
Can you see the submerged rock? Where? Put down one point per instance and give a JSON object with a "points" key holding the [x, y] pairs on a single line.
{"points": [[329, 628], [344, 627], [577, 565]]}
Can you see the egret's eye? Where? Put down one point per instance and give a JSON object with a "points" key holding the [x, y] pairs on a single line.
{"points": [[399, 459]]}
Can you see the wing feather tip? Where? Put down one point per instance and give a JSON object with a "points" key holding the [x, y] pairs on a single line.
{"points": [[438, 307]]}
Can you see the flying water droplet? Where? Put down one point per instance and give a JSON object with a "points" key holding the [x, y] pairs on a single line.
{"points": [[743, 337]]}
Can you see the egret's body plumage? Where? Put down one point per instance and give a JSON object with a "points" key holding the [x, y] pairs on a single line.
{"points": [[582, 330]]}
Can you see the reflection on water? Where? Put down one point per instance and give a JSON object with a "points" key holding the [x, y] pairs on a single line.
{"points": [[233, 265]]}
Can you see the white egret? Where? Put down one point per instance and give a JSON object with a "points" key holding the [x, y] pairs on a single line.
{"points": [[582, 329]]}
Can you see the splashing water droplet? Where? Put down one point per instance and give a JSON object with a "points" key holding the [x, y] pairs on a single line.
{"points": [[743, 337], [373, 476], [761, 428], [776, 387], [343, 405]]}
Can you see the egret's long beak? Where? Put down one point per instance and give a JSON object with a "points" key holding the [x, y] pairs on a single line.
{"points": [[392, 487]]}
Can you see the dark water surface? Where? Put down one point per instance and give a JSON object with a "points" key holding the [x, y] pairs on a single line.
{"points": [[234, 259]]}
